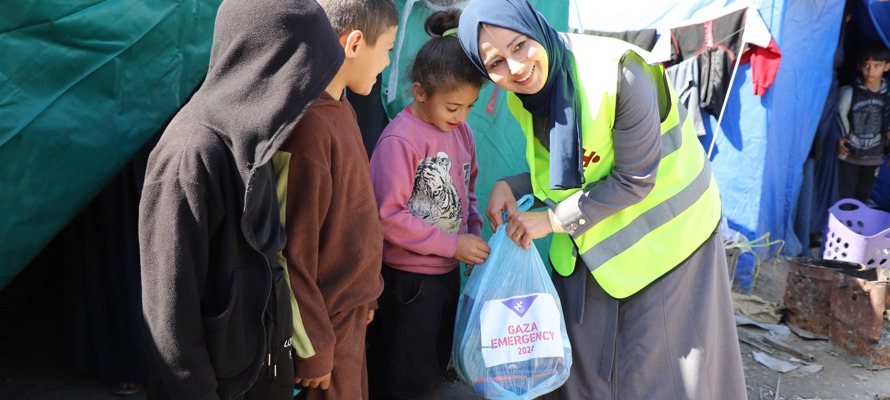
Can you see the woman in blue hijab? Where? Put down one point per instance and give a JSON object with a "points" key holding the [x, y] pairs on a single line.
{"points": [[638, 261]]}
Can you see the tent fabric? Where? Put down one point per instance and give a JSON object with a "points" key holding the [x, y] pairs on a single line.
{"points": [[760, 158], [819, 189], [762, 143], [878, 15], [99, 250], [84, 85]]}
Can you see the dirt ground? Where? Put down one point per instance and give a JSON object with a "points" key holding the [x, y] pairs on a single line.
{"points": [[840, 378], [31, 369]]}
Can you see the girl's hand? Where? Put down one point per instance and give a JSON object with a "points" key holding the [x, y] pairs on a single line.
{"points": [[471, 249], [522, 227], [501, 199]]}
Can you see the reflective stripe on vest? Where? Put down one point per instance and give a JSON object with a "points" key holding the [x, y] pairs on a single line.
{"points": [[638, 244]]}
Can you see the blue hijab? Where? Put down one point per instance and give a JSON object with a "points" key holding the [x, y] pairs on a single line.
{"points": [[556, 99]]}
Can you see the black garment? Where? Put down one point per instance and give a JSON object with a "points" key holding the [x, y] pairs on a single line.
{"points": [[716, 44], [856, 181], [215, 299], [644, 38], [371, 115], [819, 184], [409, 341], [103, 260]]}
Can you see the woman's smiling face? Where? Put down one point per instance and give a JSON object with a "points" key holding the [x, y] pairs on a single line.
{"points": [[513, 61]]}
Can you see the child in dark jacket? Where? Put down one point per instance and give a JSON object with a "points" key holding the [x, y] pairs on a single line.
{"points": [[214, 298], [334, 240], [424, 171]]}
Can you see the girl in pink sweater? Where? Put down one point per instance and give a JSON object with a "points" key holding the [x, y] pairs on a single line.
{"points": [[424, 174]]}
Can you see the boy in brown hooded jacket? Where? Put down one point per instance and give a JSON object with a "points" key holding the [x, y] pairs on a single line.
{"points": [[334, 239]]}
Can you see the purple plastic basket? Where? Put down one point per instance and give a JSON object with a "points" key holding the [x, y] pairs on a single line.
{"points": [[857, 233]]}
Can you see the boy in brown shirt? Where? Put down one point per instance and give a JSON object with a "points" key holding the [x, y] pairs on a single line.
{"points": [[334, 239]]}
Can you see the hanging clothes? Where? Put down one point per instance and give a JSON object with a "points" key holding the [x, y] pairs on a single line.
{"points": [[643, 38], [717, 43], [762, 52], [684, 76]]}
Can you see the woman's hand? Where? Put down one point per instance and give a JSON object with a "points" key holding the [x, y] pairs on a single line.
{"points": [[522, 227], [501, 200]]}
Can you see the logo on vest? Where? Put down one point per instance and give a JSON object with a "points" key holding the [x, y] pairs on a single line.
{"points": [[591, 157]]}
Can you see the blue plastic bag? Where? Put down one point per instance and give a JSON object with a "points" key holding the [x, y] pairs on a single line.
{"points": [[510, 338]]}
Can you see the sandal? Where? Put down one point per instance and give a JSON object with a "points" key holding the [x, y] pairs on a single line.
{"points": [[125, 388]]}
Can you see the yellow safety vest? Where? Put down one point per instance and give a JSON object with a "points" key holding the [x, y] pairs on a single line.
{"points": [[630, 249]]}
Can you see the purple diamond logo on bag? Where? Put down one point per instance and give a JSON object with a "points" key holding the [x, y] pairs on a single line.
{"points": [[520, 305]]}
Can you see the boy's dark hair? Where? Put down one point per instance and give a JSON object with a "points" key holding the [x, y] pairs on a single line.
{"points": [[440, 64], [873, 50], [371, 17]]}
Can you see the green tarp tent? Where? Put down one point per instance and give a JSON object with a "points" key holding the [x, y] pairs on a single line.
{"points": [[83, 85]]}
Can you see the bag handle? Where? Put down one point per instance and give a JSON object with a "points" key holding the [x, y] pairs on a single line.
{"points": [[523, 204]]}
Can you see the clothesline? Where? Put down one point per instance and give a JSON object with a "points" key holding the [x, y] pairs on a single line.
{"points": [[704, 17]]}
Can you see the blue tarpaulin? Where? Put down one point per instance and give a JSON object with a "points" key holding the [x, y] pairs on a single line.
{"points": [[85, 83], [762, 143]]}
